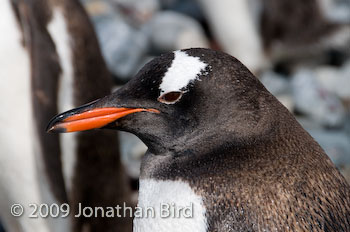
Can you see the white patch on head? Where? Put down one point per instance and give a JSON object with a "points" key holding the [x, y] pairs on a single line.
{"points": [[59, 33], [155, 192], [183, 70]]}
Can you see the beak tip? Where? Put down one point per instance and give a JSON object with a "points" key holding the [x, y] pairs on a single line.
{"points": [[55, 129]]}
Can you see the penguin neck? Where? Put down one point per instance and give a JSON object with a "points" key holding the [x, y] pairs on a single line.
{"points": [[228, 151]]}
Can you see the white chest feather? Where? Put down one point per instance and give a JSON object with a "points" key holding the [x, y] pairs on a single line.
{"points": [[177, 208]]}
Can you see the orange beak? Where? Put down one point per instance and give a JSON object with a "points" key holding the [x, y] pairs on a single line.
{"points": [[91, 119]]}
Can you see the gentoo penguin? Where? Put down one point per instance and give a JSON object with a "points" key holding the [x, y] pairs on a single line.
{"points": [[49, 62], [220, 143]]}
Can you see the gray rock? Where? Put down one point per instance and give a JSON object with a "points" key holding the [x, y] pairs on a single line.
{"points": [[315, 101]]}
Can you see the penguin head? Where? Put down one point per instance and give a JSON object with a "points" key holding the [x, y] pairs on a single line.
{"points": [[176, 99]]}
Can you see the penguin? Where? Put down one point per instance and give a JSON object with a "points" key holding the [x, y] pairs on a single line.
{"points": [[220, 144], [50, 61]]}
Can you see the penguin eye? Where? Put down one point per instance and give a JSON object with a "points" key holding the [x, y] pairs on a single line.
{"points": [[170, 97]]}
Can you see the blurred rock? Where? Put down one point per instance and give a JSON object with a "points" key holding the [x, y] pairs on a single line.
{"points": [[123, 46], [275, 83], [190, 8], [132, 150], [127, 29], [335, 80], [138, 12], [315, 101], [336, 10], [173, 31]]}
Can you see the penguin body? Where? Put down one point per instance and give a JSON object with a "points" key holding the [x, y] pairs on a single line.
{"points": [[219, 139], [54, 49], [19, 182]]}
